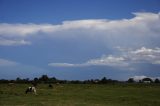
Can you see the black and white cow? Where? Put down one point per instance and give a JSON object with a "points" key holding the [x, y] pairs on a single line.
{"points": [[31, 89]]}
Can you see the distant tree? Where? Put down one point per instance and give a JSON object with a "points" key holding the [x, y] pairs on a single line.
{"points": [[36, 79], [53, 80], [75, 82], [140, 81], [27, 79], [147, 79], [4, 81], [44, 78], [18, 80], [130, 80], [103, 80], [157, 80]]}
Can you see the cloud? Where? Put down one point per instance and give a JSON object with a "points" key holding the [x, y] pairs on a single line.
{"points": [[142, 25], [142, 20], [108, 61], [103, 61], [145, 55], [125, 60], [10, 42], [141, 55], [61, 65], [6, 63], [23, 30]]}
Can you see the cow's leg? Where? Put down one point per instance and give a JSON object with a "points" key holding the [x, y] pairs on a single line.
{"points": [[35, 92], [27, 90]]}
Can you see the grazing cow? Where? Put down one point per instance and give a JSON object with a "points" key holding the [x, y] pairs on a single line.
{"points": [[31, 89], [50, 86]]}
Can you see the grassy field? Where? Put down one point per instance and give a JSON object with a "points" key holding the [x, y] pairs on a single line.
{"points": [[81, 95]]}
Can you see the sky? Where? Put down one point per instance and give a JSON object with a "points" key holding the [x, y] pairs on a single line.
{"points": [[80, 39]]}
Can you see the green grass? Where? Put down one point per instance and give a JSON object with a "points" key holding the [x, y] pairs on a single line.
{"points": [[81, 95]]}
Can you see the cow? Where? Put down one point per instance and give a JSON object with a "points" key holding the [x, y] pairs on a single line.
{"points": [[50, 86], [31, 89]]}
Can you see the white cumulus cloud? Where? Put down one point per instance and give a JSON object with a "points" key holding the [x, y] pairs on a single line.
{"points": [[144, 24], [103, 61], [145, 55], [124, 60], [108, 61]]}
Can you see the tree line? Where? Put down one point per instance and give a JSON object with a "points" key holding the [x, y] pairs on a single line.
{"points": [[131, 80], [53, 80]]}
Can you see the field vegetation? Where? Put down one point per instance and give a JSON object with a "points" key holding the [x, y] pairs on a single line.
{"points": [[117, 94]]}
